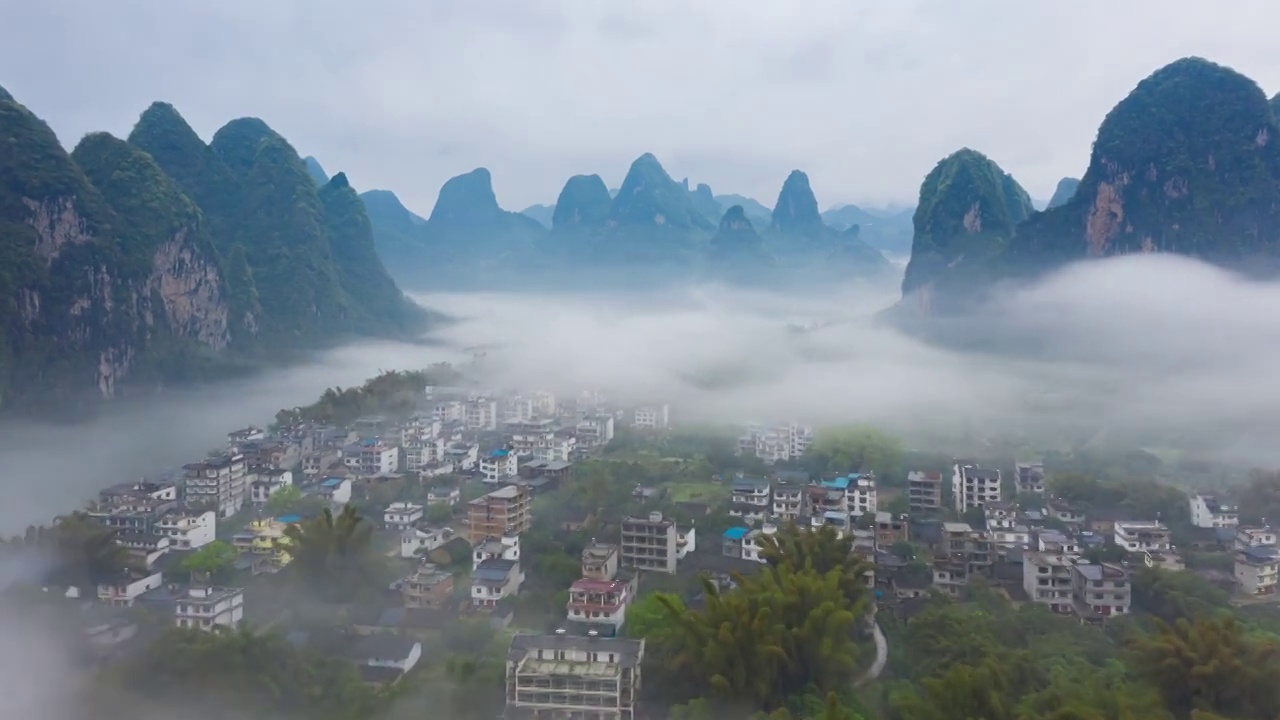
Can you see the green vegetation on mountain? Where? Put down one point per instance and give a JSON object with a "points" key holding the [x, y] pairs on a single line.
{"points": [[148, 260], [1187, 163], [583, 203], [360, 270], [968, 210], [1063, 192], [316, 171]]}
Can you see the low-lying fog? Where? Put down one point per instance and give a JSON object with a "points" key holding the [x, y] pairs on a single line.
{"points": [[1157, 349]]}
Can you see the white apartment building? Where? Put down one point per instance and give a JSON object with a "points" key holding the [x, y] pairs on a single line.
{"points": [[494, 580], [776, 442], [788, 502], [750, 498], [480, 414], [599, 601], [1030, 478], [420, 453], [205, 608], [372, 457], [1102, 590], [1142, 536], [448, 411], [499, 465], [652, 417], [1257, 570], [973, 486], [188, 529], [565, 676], [220, 483], [506, 547], [1047, 579], [594, 430], [862, 494], [402, 515], [1207, 512], [270, 481]]}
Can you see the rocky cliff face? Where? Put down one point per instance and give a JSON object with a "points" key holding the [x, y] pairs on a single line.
{"points": [[98, 282], [1187, 163], [969, 208], [139, 261]]}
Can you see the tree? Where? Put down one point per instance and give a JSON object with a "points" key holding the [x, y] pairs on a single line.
{"points": [[860, 448], [213, 559], [439, 513], [332, 551], [283, 501], [77, 551], [1210, 664]]}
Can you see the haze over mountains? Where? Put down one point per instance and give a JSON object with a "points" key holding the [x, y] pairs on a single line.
{"points": [[162, 257]]}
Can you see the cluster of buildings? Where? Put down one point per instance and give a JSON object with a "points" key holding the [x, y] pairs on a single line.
{"points": [[793, 497]]}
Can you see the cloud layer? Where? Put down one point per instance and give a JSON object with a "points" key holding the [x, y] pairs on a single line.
{"points": [[866, 97]]}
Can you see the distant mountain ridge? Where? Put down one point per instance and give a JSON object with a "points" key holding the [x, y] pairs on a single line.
{"points": [[653, 229], [161, 258]]}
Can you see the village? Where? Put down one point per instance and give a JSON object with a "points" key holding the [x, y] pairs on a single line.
{"points": [[485, 507]]}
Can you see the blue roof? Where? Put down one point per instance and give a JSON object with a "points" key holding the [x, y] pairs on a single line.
{"points": [[331, 482], [735, 533], [841, 483], [498, 453], [834, 515], [289, 519]]}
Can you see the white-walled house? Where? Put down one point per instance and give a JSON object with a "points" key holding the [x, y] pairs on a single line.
{"points": [[270, 481], [122, 591], [414, 542], [1207, 512], [499, 465], [402, 515], [188, 529], [205, 608], [494, 580], [506, 547]]}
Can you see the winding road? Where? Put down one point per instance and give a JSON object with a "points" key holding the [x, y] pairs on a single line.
{"points": [[882, 652]]}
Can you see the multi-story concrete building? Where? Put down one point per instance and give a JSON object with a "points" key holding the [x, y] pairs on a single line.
{"points": [[270, 480], [891, 529], [649, 543], [594, 431], [789, 497], [553, 677], [924, 491], [862, 494], [776, 442], [494, 580], [504, 511], [219, 483], [601, 602], [1142, 536], [1207, 512], [652, 417], [1047, 579], [600, 561], [427, 587], [962, 553], [204, 608], [125, 589], [973, 486], [1101, 591], [499, 465], [1256, 569], [1247, 537], [750, 498], [506, 547], [1030, 478], [372, 456], [188, 529], [480, 414]]}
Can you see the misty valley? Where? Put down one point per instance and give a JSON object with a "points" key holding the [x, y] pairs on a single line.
{"points": [[276, 448]]}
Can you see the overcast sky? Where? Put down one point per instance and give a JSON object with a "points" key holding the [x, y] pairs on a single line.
{"points": [[402, 94]]}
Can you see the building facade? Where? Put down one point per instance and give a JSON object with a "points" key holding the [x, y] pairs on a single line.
{"points": [[554, 677]]}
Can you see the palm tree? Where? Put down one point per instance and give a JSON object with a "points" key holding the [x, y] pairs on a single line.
{"points": [[331, 549]]}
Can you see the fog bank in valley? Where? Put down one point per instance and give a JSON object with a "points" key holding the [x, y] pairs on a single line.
{"points": [[1153, 349]]}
